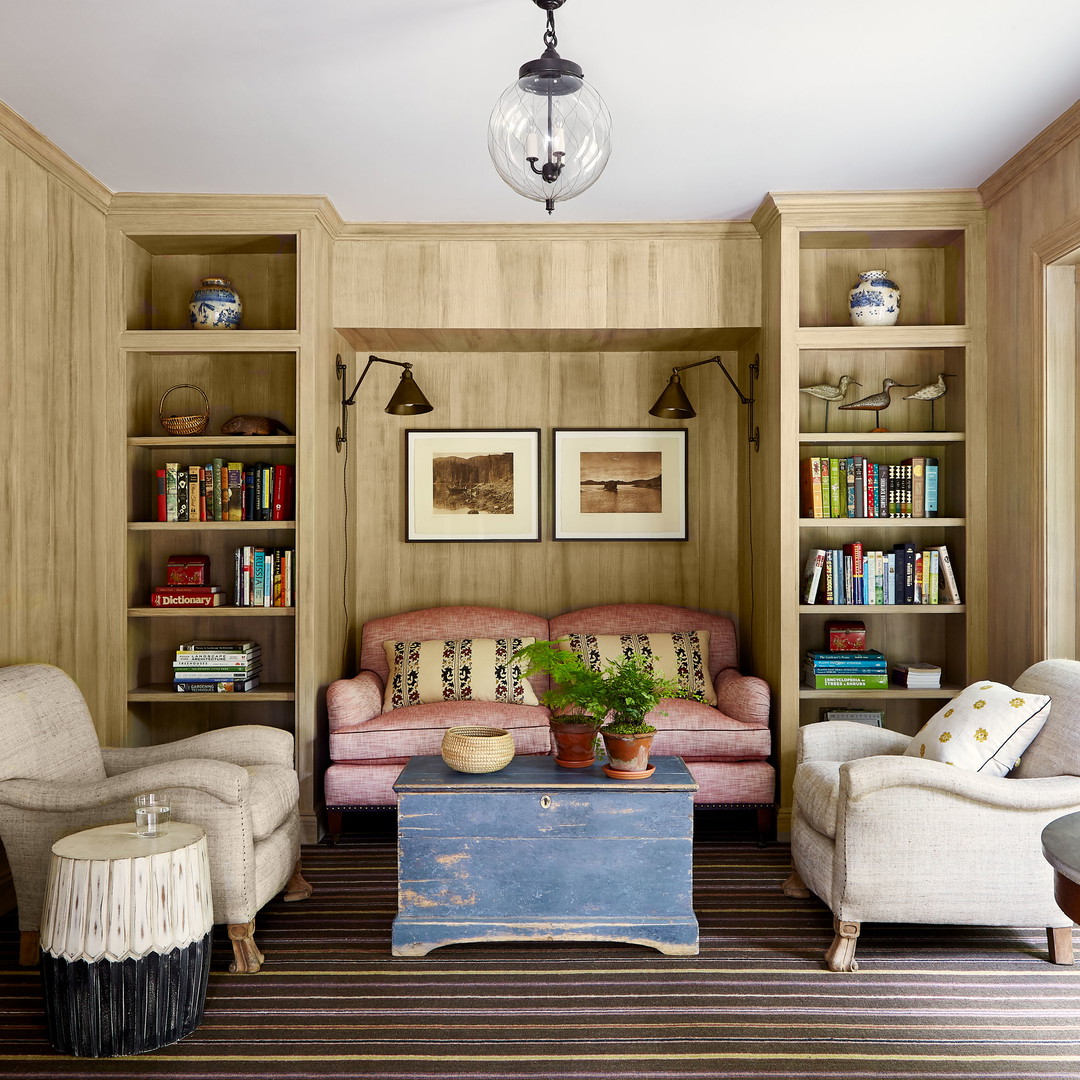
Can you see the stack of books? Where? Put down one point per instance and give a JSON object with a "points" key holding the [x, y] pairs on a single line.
{"points": [[217, 667], [863, 670], [919, 676]]}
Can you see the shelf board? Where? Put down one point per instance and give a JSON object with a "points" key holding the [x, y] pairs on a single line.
{"points": [[882, 337], [894, 692], [227, 611], [857, 438], [164, 692], [231, 441], [882, 523], [211, 526], [203, 341], [886, 609]]}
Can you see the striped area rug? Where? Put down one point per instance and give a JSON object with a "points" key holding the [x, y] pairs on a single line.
{"points": [[757, 1002]]}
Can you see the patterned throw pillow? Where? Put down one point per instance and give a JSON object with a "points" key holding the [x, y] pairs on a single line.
{"points": [[984, 728], [470, 669], [681, 657]]}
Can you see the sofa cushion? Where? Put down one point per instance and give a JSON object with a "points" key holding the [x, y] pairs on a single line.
{"points": [[692, 729], [682, 656], [817, 794], [985, 728], [466, 669], [419, 729], [273, 793]]}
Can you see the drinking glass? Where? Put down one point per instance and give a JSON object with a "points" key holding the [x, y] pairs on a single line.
{"points": [[152, 813]]}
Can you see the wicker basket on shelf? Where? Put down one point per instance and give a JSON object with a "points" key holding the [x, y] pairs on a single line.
{"points": [[477, 749], [184, 425]]}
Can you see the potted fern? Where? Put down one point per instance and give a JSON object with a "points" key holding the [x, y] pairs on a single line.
{"points": [[621, 693]]}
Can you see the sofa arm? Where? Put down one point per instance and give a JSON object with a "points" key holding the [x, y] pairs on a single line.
{"points": [[354, 701], [743, 697], [844, 740], [245, 744]]}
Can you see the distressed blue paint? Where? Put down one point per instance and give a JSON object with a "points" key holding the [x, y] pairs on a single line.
{"points": [[535, 852]]}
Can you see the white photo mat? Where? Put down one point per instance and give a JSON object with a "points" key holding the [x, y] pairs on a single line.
{"points": [[506, 508], [620, 484]]}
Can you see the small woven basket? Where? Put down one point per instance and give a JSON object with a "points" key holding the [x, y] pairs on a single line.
{"points": [[477, 749], [184, 425]]}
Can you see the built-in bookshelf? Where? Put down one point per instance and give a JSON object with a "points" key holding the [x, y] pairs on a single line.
{"points": [[815, 247]]}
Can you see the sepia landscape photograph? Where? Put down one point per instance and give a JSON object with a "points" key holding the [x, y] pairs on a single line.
{"points": [[472, 483], [621, 482]]}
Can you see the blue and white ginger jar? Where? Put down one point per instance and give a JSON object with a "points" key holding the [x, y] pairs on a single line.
{"points": [[875, 300], [215, 305]]}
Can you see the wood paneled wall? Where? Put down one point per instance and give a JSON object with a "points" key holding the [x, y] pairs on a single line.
{"points": [[56, 378], [1033, 217], [514, 327]]}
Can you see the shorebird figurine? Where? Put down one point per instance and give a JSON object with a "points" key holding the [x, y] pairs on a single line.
{"points": [[877, 402], [931, 392], [827, 392]]}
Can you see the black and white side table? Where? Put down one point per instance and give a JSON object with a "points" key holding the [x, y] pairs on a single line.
{"points": [[125, 939]]}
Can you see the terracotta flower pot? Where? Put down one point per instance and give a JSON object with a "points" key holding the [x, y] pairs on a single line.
{"points": [[574, 744], [628, 756]]}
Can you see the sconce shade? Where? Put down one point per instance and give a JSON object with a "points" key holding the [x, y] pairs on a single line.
{"points": [[408, 399], [673, 404]]}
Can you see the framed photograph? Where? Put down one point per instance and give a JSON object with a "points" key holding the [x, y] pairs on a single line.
{"points": [[472, 485], [620, 484]]}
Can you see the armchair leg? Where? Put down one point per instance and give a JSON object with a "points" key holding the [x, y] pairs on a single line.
{"points": [[1059, 940], [29, 948], [246, 956], [297, 887], [840, 955], [794, 886]]}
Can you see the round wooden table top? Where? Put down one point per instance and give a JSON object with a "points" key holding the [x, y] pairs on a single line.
{"points": [[107, 842], [1061, 846]]}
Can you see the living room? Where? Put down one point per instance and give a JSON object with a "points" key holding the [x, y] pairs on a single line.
{"points": [[515, 323]]}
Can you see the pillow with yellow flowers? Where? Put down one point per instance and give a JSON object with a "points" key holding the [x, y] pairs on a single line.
{"points": [[985, 728]]}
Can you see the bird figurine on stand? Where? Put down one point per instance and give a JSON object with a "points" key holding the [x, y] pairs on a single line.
{"points": [[828, 393], [877, 402], [931, 392]]}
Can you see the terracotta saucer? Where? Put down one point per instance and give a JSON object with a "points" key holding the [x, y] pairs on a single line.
{"points": [[575, 764], [615, 774]]}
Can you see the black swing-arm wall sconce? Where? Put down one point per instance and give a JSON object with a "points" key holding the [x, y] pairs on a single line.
{"points": [[407, 400], [673, 404]]}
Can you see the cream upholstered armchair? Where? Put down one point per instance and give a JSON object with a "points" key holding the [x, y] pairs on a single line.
{"points": [[882, 837], [237, 783]]}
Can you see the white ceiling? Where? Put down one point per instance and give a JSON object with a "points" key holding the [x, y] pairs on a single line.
{"points": [[383, 104]]}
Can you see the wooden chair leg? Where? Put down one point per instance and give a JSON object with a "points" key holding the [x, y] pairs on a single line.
{"points": [[335, 822], [794, 886], [766, 825], [297, 887], [246, 956], [1059, 940], [29, 948], [840, 955]]}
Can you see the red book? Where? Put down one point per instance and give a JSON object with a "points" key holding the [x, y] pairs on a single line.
{"points": [[165, 598], [159, 490], [188, 590], [283, 493]]}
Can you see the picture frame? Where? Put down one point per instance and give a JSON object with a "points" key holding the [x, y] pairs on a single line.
{"points": [[472, 485], [620, 484]]}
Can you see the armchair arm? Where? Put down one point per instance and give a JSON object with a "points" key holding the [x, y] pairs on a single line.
{"points": [[844, 740], [245, 744], [354, 701], [869, 776], [223, 781], [743, 697]]}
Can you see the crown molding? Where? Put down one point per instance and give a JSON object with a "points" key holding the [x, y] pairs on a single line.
{"points": [[180, 212], [25, 137], [1041, 149], [862, 210], [516, 231]]}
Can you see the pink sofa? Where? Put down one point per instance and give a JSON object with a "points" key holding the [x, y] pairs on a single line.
{"points": [[725, 747]]}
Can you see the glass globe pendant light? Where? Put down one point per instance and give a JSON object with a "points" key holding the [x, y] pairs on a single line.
{"points": [[550, 133]]}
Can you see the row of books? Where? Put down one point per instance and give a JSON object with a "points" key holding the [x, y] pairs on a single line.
{"points": [[865, 669], [217, 667], [224, 491], [264, 577], [852, 487], [854, 575]]}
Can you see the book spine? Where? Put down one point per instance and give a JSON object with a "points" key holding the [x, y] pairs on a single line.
{"points": [[236, 500], [217, 466], [214, 661], [161, 504], [815, 560], [809, 491], [215, 687], [164, 600], [193, 488], [947, 584], [171, 470], [846, 682], [288, 575], [835, 505], [931, 487], [182, 493], [918, 486]]}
